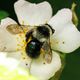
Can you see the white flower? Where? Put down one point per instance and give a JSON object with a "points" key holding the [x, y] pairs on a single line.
{"points": [[11, 70], [65, 39]]}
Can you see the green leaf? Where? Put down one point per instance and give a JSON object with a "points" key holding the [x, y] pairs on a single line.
{"points": [[3, 14]]}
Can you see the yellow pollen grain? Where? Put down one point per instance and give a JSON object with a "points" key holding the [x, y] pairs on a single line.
{"points": [[21, 41], [24, 56], [22, 44]]}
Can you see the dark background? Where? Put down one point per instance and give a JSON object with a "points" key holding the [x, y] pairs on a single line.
{"points": [[72, 68]]}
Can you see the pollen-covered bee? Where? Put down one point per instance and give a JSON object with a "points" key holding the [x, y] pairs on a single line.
{"points": [[37, 38]]}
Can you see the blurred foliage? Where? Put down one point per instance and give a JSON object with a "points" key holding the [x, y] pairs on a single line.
{"points": [[72, 68], [3, 14]]}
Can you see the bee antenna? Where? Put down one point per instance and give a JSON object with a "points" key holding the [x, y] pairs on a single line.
{"points": [[50, 28]]}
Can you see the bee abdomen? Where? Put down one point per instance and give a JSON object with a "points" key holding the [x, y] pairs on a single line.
{"points": [[33, 48]]}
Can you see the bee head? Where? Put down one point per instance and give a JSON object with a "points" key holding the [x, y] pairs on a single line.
{"points": [[43, 30], [52, 30]]}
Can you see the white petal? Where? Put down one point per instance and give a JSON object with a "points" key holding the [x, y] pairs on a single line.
{"points": [[7, 21], [58, 21], [46, 71], [10, 63], [3, 55], [24, 60], [8, 41], [32, 13], [68, 40]]}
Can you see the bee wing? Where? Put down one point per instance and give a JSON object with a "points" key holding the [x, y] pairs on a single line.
{"points": [[14, 29], [47, 52]]}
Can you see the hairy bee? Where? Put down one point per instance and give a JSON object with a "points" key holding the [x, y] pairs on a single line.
{"points": [[37, 38]]}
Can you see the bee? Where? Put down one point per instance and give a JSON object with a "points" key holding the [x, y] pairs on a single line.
{"points": [[37, 38]]}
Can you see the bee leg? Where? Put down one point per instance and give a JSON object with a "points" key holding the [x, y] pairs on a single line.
{"points": [[28, 34], [30, 67]]}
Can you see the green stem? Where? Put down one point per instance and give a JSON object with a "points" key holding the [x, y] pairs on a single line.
{"points": [[74, 16]]}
